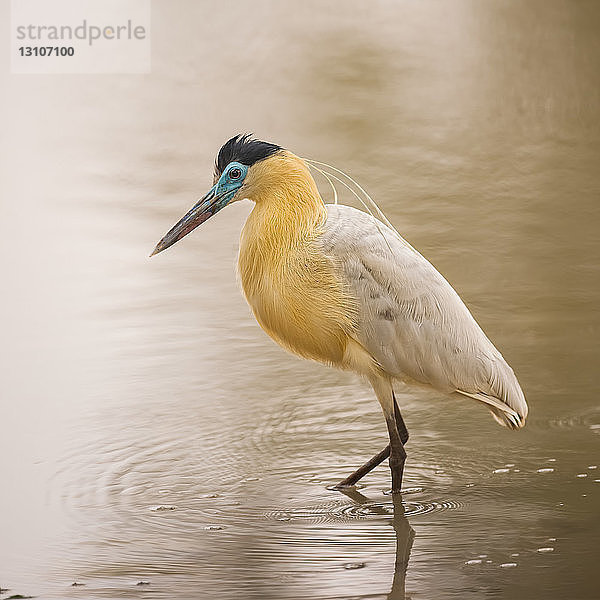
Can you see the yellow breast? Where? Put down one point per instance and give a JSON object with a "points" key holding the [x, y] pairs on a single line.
{"points": [[291, 286]]}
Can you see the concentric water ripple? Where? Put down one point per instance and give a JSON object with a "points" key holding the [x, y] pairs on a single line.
{"points": [[335, 512]]}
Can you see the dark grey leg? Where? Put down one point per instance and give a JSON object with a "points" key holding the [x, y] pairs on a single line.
{"points": [[364, 469], [378, 458], [400, 421], [397, 452]]}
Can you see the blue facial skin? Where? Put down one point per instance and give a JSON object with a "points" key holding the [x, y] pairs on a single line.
{"points": [[229, 183], [219, 196]]}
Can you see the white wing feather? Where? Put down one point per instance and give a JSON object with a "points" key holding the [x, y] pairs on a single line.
{"points": [[412, 321]]}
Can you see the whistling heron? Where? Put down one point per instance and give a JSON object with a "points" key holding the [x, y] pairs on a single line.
{"points": [[340, 286]]}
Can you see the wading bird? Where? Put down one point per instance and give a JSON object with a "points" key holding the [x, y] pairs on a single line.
{"points": [[337, 285]]}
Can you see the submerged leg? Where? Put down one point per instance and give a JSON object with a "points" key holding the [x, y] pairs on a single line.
{"points": [[381, 456], [404, 539]]}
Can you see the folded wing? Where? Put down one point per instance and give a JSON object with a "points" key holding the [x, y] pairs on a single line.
{"points": [[411, 320]]}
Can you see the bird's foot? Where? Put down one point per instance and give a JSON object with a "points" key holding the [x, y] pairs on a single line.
{"points": [[343, 486]]}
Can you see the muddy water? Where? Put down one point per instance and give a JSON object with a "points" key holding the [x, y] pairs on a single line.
{"points": [[155, 442]]}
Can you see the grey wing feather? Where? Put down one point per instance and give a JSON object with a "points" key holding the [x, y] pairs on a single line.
{"points": [[411, 320]]}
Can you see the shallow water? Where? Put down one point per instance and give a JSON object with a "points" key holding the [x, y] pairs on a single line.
{"points": [[155, 442]]}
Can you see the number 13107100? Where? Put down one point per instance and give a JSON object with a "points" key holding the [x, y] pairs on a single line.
{"points": [[46, 51]]}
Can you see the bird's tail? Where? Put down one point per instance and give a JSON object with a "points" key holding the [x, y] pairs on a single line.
{"points": [[499, 389], [510, 412], [511, 420]]}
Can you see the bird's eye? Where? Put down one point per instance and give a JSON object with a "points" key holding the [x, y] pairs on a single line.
{"points": [[235, 173]]}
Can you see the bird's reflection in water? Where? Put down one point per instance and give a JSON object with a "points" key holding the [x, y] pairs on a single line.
{"points": [[405, 535]]}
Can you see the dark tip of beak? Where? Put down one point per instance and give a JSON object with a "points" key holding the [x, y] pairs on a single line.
{"points": [[162, 245], [200, 212], [168, 241]]}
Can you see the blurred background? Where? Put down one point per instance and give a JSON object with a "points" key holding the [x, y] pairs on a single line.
{"points": [[153, 440]]}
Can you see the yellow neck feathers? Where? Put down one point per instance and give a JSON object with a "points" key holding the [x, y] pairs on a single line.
{"points": [[288, 205], [291, 286]]}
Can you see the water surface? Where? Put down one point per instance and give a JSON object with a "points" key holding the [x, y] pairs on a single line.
{"points": [[155, 442]]}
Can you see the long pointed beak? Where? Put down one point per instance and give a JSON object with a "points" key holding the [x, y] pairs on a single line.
{"points": [[205, 208]]}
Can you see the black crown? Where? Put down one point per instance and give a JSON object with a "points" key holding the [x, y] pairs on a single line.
{"points": [[245, 150]]}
